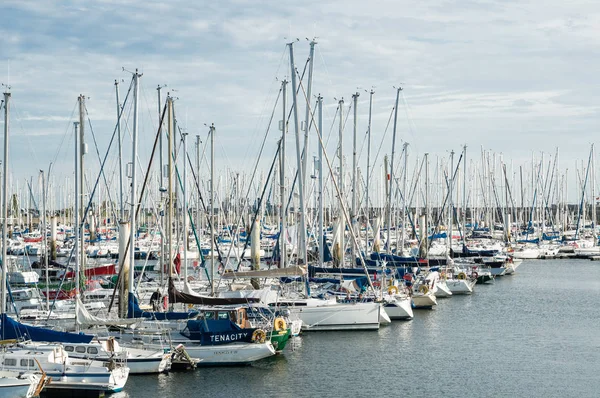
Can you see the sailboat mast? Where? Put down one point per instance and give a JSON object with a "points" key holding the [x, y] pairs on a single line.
{"points": [[160, 139], [80, 198], [320, 233], [198, 218], [121, 202], [4, 200], [76, 213], [132, 225], [282, 212], [308, 94], [450, 202], [593, 196], [161, 187], [464, 215], [44, 240], [368, 170], [302, 222], [426, 226], [400, 250], [185, 207], [342, 225], [353, 217], [391, 174], [212, 210], [169, 226]]}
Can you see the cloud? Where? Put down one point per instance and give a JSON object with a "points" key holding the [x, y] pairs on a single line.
{"points": [[508, 75]]}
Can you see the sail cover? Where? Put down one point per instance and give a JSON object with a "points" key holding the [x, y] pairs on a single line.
{"points": [[191, 297], [84, 318], [11, 329], [134, 311]]}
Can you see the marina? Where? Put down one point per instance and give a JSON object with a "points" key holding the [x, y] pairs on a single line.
{"points": [[260, 214], [516, 329]]}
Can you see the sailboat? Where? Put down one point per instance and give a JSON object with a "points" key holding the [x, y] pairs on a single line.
{"points": [[15, 384], [66, 374]]}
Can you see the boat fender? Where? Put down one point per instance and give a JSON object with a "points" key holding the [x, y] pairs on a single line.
{"points": [[259, 336], [392, 290], [279, 324]]}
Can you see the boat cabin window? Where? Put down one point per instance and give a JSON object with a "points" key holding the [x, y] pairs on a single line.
{"points": [[27, 362], [69, 348], [209, 315], [10, 362], [223, 315], [92, 350], [80, 350]]}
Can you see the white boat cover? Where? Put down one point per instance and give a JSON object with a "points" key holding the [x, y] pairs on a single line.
{"points": [[84, 318]]}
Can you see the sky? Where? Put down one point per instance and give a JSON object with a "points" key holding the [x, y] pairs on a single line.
{"points": [[518, 78]]}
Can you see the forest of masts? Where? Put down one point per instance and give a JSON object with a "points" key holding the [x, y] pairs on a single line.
{"points": [[379, 178]]}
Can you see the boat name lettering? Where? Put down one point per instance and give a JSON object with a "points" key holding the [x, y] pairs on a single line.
{"points": [[228, 337]]}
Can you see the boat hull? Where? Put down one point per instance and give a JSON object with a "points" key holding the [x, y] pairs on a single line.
{"points": [[230, 354], [89, 381], [460, 286], [481, 279], [14, 387], [356, 316], [424, 301], [139, 366], [441, 290], [279, 339], [399, 309]]}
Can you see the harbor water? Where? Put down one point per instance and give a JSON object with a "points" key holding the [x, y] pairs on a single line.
{"points": [[531, 334]]}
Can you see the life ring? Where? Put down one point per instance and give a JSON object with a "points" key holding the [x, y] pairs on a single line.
{"points": [[392, 290], [259, 336], [462, 275], [424, 289], [474, 275], [376, 284], [279, 324]]}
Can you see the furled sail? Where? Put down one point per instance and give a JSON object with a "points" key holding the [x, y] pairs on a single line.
{"points": [[84, 318], [11, 329], [134, 311], [192, 297]]}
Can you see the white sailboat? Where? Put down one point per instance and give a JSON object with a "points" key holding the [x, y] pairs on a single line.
{"points": [[139, 361], [18, 385], [398, 306], [460, 282], [66, 373], [318, 314]]}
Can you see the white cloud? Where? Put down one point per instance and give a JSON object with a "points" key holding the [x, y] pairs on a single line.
{"points": [[490, 73]]}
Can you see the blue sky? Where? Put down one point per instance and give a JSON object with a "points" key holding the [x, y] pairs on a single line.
{"points": [[516, 77]]}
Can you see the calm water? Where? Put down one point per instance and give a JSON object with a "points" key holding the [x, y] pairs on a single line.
{"points": [[532, 334]]}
